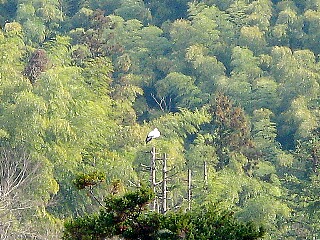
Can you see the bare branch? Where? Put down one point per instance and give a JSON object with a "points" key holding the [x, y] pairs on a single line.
{"points": [[17, 172], [159, 103]]}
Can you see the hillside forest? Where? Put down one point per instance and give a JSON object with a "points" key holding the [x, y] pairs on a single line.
{"points": [[233, 85]]}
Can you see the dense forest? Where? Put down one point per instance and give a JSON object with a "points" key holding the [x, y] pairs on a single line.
{"points": [[233, 84]]}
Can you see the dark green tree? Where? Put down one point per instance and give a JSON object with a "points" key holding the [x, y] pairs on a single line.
{"points": [[126, 216]]}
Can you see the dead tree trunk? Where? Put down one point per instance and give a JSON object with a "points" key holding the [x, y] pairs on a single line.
{"points": [[315, 160], [153, 176], [164, 183], [17, 172], [205, 175], [189, 188]]}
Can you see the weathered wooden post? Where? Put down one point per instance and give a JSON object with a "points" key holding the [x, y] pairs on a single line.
{"points": [[189, 188], [164, 183], [153, 176], [205, 175]]}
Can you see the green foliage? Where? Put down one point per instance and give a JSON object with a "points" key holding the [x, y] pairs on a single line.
{"points": [[230, 84], [123, 216], [178, 91], [97, 74], [229, 123], [264, 132], [88, 180], [210, 223], [167, 10], [134, 10], [207, 68]]}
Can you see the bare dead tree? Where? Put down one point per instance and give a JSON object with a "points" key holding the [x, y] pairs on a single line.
{"points": [[189, 188], [153, 175], [205, 175], [163, 105], [17, 172]]}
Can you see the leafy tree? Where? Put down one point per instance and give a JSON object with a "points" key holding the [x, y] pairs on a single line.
{"points": [[311, 4], [222, 5], [288, 29], [123, 216], [221, 37], [82, 82], [134, 10], [245, 64], [303, 190], [302, 120], [260, 13], [229, 128], [242, 188], [58, 50], [81, 19], [265, 93], [201, 158], [71, 7], [40, 19], [208, 69], [91, 32], [252, 38], [264, 132], [97, 73], [237, 12], [182, 34], [245, 69], [8, 10], [291, 71]]}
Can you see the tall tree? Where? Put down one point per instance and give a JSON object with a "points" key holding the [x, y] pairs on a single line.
{"points": [[229, 127]]}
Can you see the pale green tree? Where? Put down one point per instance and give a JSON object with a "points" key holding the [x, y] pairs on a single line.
{"points": [[288, 28], [311, 20], [260, 13], [245, 69], [253, 39], [207, 68], [264, 133], [296, 73], [265, 93]]}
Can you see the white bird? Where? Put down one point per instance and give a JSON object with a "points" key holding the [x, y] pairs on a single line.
{"points": [[153, 134]]}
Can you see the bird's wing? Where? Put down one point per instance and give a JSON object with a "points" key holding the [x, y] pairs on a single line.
{"points": [[156, 134], [151, 134]]}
